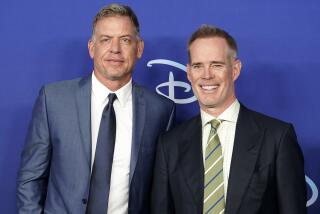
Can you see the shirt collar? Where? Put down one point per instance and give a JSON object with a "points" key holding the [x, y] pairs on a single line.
{"points": [[101, 92], [230, 114]]}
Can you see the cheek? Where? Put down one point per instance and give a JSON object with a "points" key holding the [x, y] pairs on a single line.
{"points": [[193, 77], [130, 56], [227, 78], [95, 54], [100, 50]]}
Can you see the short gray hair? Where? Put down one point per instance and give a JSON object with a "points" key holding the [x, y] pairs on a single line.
{"points": [[116, 10]]}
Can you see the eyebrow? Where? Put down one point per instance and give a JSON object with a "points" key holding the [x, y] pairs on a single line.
{"points": [[196, 63], [217, 62], [121, 36], [210, 62]]}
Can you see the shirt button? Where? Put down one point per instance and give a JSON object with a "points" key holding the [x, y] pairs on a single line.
{"points": [[84, 201]]}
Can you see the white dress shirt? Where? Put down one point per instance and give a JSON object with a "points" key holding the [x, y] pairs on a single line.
{"points": [[119, 187], [226, 133]]}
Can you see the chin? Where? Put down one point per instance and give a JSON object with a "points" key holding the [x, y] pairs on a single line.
{"points": [[210, 105]]}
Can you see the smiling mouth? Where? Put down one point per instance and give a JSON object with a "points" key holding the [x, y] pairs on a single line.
{"points": [[209, 88]]}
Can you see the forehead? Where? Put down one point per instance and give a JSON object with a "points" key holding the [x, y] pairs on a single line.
{"points": [[209, 49], [115, 25]]}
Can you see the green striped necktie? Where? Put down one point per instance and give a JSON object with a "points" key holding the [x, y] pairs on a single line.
{"points": [[214, 202]]}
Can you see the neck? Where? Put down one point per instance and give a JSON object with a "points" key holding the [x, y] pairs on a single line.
{"points": [[112, 85]]}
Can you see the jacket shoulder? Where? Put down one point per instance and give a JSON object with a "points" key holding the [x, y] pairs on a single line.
{"points": [[156, 99], [64, 86], [184, 129], [265, 121]]}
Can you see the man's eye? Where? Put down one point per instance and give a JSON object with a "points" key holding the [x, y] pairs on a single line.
{"points": [[105, 40], [196, 66], [125, 40], [217, 66]]}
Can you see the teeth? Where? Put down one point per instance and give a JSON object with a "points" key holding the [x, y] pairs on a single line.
{"points": [[209, 87]]}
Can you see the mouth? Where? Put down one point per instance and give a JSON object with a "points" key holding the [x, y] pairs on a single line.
{"points": [[114, 61], [209, 88]]}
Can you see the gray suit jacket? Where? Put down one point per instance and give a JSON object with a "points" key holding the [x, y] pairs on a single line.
{"points": [[266, 173], [55, 169]]}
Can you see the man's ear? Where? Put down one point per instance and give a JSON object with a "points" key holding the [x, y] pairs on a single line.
{"points": [[188, 72], [140, 48], [236, 69], [91, 48]]}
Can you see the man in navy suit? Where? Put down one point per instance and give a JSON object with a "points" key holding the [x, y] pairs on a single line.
{"points": [[250, 164], [59, 153]]}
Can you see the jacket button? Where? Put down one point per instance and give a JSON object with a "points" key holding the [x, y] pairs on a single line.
{"points": [[84, 201]]}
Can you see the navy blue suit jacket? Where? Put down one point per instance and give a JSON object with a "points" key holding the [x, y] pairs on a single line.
{"points": [[266, 172], [55, 169]]}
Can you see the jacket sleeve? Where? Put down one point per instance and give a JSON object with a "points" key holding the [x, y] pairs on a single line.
{"points": [[291, 185], [35, 161], [161, 201]]}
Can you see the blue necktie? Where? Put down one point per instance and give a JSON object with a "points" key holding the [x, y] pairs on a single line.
{"points": [[102, 166]]}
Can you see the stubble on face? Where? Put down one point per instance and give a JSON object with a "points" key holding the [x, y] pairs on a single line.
{"points": [[114, 48]]}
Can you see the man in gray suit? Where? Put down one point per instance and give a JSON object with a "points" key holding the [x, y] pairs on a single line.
{"points": [[61, 150]]}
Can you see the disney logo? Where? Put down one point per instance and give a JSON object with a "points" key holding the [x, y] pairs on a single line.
{"points": [[172, 84], [314, 191]]}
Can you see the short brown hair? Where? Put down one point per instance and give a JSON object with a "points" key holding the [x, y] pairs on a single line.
{"points": [[112, 10], [207, 31]]}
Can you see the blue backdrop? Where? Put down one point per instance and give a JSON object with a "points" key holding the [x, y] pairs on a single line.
{"points": [[44, 41]]}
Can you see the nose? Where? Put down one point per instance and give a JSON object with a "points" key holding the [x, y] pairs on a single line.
{"points": [[115, 46], [207, 74]]}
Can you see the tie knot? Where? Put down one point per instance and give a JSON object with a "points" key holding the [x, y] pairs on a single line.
{"points": [[215, 123], [111, 97]]}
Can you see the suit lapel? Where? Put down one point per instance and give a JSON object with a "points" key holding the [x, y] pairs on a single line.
{"points": [[83, 99], [139, 117], [191, 161], [247, 143]]}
